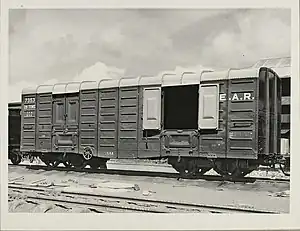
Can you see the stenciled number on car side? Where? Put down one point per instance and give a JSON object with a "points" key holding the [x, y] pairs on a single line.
{"points": [[109, 153]]}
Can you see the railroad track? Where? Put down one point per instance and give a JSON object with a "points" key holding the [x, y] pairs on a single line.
{"points": [[107, 203], [165, 165], [151, 174]]}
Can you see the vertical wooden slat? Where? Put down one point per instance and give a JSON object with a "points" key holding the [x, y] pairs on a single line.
{"points": [[108, 123], [128, 122], [88, 120], [44, 122], [28, 123]]}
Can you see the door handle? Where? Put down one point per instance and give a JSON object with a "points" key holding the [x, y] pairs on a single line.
{"points": [[242, 124]]}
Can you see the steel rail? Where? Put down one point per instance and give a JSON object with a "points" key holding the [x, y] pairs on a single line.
{"points": [[131, 203]]}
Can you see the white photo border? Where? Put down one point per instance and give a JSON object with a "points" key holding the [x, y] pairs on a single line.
{"points": [[124, 221]]}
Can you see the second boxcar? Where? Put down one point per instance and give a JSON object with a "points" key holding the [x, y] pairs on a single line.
{"points": [[14, 132]]}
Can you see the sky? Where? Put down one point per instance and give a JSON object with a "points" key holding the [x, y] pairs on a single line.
{"points": [[49, 46]]}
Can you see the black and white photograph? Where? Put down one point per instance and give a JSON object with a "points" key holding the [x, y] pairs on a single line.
{"points": [[149, 110]]}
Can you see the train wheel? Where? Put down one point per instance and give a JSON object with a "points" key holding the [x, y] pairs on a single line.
{"points": [[79, 165], [94, 166], [245, 172], [251, 167], [44, 160], [186, 168], [67, 164], [187, 172], [193, 171], [15, 159], [87, 153], [228, 168], [54, 163], [181, 169], [78, 161], [94, 163], [49, 161]]}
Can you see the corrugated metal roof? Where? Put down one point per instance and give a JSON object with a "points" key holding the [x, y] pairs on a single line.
{"points": [[280, 65], [44, 89]]}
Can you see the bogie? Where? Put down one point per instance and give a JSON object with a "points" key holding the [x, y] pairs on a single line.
{"points": [[189, 167]]}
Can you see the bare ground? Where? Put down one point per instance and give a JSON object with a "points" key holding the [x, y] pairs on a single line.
{"points": [[259, 195]]}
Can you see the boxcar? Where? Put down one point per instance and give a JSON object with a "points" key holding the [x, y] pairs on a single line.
{"points": [[14, 132], [227, 120]]}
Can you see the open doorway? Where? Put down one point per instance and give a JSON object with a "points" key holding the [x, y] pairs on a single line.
{"points": [[181, 105]]}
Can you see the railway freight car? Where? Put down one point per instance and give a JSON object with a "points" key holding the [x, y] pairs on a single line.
{"points": [[282, 67], [14, 132], [227, 120]]}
